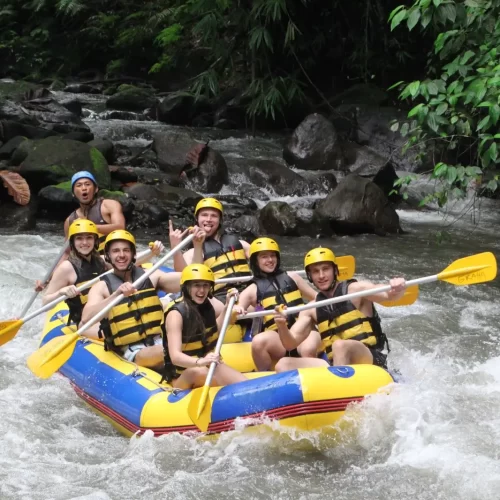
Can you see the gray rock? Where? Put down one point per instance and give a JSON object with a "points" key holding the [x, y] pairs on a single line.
{"points": [[314, 145], [356, 206], [279, 219], [131, 99]]}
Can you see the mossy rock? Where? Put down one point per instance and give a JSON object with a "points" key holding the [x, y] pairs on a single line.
{"points": [[131, 99], [16, 90], [54, 160], [112, 195]]}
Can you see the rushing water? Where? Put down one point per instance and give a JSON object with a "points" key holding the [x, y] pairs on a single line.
{"points": [[435, 436]]}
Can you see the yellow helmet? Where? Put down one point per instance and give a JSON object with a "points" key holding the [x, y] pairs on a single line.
{"points": [[119, 235], [83, 226], [264, 245], [80, 226], [208, 203], [319, 255], [197, 272]]}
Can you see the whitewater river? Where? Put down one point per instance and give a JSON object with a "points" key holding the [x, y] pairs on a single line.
{"points": [[437, 436]]}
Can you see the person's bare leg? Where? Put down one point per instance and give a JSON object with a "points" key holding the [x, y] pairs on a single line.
{"points": [[351, 352], [225, 375], [191, 378], [150, 357], [311, 345], [267, 349], [286, 364]]}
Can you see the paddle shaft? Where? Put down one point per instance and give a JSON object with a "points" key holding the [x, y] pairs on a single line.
{"points": [[342, 298], [220, 340], [45, 279], [135, 284], [81, 288], [242, 279]]}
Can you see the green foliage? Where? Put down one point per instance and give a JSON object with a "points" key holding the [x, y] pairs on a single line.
{"points": [[457, 106]]}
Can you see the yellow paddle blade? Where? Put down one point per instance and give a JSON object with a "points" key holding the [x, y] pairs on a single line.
{"points": [[410, 296], [49, 358], [200, 408], [477, 268], [9, 329], [347, 267]]}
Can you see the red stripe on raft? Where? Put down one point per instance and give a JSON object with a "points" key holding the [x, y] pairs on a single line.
{"points": [[296, 410]]}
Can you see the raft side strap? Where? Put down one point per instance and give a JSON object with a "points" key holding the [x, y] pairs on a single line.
{"points": [[137, 373]]}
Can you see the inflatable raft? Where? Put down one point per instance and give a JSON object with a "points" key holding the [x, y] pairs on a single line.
{"points": [[134, 401]]}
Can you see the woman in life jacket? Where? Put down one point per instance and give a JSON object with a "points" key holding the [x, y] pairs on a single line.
{"points": [[84, 264], [271, 287], [192, 325], [225, 254], [350, 330]]}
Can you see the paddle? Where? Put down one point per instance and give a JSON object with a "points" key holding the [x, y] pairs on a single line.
{"points": [[45, 278], [346, 265], [477, 268], [198, 409], [9, 328], [45, 361]]}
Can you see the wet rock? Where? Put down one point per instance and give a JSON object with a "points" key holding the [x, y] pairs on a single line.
{"points": [[356, 206], [366, 162], [172, 150], [314, 145], [210, 175], [124, 175], [370, 126], [177, 109], [278, 218], [79, 136], [73, 106], [130, 98], [7, 150], [106, 147], [284, 182], [234, 206], [232, 114], [248, 227], [82, 88], [54, 160], [122, 115], [15, 216], [164, 194]]}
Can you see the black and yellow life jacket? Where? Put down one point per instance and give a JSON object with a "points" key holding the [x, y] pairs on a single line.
{"points": [[194, 343], [88, 270], [345, 321], [95, 215], [227, 260], [135, 318], [275, 290]]}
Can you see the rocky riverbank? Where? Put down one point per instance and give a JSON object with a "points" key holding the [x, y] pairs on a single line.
{"points": [[333, 175]]}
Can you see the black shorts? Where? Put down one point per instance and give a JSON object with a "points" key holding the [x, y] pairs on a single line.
{"points": [[379, 358], [292, 354]]}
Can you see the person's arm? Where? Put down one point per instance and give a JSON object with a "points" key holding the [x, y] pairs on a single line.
{"points": [[62, 283], [156, 250], [112, 212], [246, 248], [99, 297], [307, 291], [397, 290], [189, 257], [173, 326], [199, 238], [300, 330], [168, 282], [220, 318], [248, 297], [175, 237]]}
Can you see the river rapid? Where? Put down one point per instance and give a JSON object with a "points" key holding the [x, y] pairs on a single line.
{"points": [[435, 436]]}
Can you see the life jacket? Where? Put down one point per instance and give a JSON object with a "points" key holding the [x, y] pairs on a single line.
{"points": [[226, 259], [94, 214], [345, 321], [196, 344], [135, 318], [275, 290], [85, 272]]}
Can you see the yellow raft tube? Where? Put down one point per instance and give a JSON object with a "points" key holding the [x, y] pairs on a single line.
{"points": [[134, 401]]}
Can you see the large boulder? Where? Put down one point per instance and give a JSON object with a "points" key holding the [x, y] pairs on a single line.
{"points": [[164, 194], [10, 129], [366, 162], [210, 175], [172, 150], [314, 145], [357, 205], [54, 160], [7, 150], [130, 98], [278, 218]]}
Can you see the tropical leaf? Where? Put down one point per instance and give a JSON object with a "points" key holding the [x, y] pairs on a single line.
{"points": [[16, 186]]}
